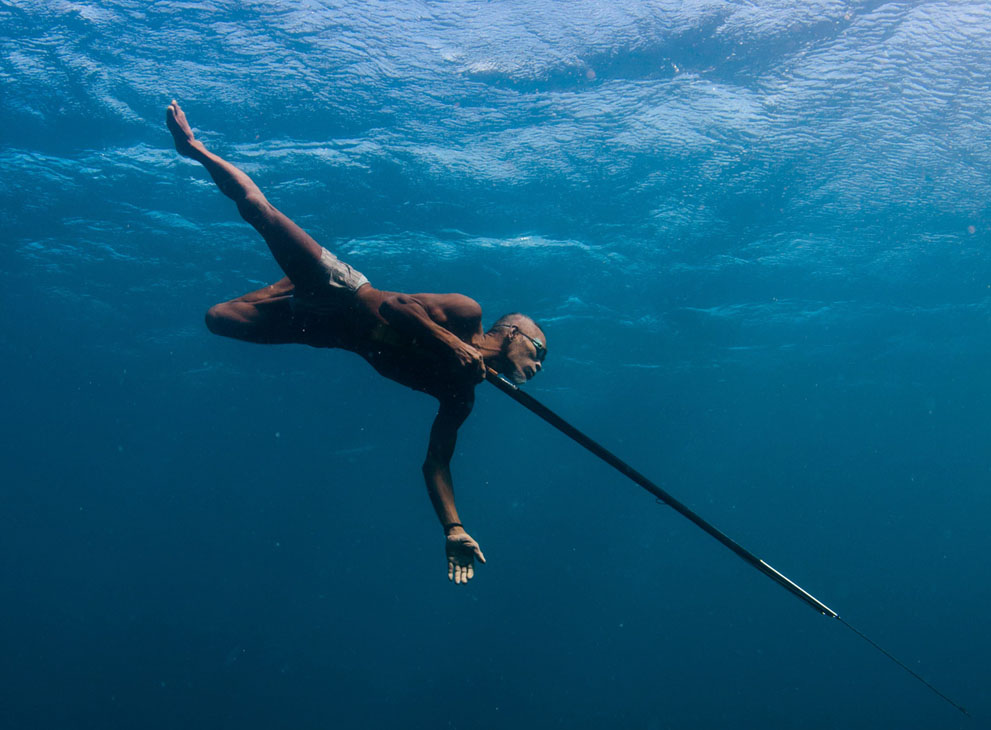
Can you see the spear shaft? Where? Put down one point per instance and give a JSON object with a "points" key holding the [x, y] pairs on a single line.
{"points": [[538, 408]]}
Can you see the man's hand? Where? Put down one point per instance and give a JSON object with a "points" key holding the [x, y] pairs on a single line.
{"points": [[471, 360], [461, 553]]}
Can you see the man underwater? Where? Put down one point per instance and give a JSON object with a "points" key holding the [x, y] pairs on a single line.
{"points": [[433, 343]]}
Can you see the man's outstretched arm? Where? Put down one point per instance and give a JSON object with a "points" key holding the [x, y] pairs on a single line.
{"points": [[461, 548]]}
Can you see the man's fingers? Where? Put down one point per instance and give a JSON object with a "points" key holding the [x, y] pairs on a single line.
{"points": [[461, 563]]}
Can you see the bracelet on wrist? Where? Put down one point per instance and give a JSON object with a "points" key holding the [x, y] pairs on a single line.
{"points": [[451, 525]]}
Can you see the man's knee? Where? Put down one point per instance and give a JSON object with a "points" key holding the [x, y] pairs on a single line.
{"points": [[220, 319], [255, 209], [243, 320]]}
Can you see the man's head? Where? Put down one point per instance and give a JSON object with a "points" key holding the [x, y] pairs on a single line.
{"points": [[521, 344]]}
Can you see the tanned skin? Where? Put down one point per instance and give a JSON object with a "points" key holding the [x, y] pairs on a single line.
{"points": [[433, 343]]}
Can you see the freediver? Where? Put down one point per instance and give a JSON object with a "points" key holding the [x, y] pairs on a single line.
{"points": [[432, 343]]}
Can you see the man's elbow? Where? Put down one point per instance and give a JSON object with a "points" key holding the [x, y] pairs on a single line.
{"points": [[433, 466]]}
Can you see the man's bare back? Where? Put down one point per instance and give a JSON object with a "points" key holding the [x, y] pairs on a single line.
{"points": [[433, 343]]}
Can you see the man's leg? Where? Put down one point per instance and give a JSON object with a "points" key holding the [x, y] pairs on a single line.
{"points": [[264, 316], [294, 250]]}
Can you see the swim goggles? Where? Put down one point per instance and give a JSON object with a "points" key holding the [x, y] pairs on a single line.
{"points": [[539, 346]]}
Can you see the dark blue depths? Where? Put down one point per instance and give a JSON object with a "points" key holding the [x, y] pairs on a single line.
{"points": [[757, 237]]}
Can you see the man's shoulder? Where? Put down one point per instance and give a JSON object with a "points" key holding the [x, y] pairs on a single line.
{"points": [[456, 400], [454, 305]]}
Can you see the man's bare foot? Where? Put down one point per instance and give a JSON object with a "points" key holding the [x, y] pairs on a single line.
{"points": [[185, 143]]}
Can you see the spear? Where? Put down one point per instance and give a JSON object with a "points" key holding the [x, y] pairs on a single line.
{"points": [[538, 408]]}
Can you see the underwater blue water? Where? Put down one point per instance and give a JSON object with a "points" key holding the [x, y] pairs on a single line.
{"points": [[757, 235]]}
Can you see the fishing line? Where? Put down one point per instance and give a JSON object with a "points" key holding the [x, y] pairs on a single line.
{"points": [[538, 408]]}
